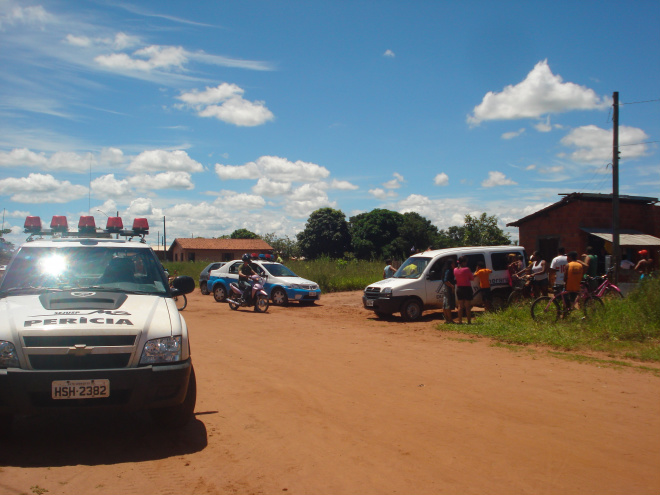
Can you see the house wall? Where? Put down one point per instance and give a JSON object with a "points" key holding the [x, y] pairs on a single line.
{"points": [[180, 254], [564, 224]]}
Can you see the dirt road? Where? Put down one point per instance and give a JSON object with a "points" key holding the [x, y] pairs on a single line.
{"points": [[328, 400]]}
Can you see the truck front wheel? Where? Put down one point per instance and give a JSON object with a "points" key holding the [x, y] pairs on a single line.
{"points": [[178, 416]]}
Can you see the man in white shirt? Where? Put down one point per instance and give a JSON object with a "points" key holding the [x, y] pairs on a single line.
{"points": [[558, 267]]}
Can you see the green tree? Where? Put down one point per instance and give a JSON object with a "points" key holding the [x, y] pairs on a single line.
{"points": [[325, 233], [243, 234], [416, 231], [476, 231], [374, 234], [283, 246]]}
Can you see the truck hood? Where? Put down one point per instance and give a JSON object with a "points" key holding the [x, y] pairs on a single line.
{"points": [[84, 311]]}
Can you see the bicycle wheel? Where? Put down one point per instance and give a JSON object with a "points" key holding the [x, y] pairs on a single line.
{"points": [[611, 294], [516, 298], [545, 310], [592, 305], [181, 302]]}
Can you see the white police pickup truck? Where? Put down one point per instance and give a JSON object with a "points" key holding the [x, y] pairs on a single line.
{"points": [[88, 321]]}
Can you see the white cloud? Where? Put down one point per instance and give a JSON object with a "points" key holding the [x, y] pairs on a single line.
{"points": [[343, 185], [140, 207], [497, 179], [389, 53], [394, 183], [225, 102], [543, 126], [380, 193], [540, 93], [23, 157], [39, 188], [108, 185], [17, 15], [146, 59], [268, 187], [305, 199], [513, 134], [240, 201], [594, 145], [161, 160], [274, 168], [442, 179], [166, 180]]}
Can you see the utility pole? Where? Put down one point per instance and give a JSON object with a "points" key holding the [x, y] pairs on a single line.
{"points": [[164, 240], [616, 248]]}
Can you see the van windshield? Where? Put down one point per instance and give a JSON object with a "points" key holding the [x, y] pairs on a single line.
{"points": [[413, 267]]}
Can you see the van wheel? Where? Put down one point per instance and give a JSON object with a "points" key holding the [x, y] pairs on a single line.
{"points": [[178, 416], [411, 310], [220, 293]]}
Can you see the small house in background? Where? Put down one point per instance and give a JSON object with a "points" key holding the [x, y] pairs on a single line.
{"points": [[584, 219], [198, 249]]}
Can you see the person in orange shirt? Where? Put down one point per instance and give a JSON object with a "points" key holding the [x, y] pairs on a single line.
{"points": [[483, 274], [574, 272]]}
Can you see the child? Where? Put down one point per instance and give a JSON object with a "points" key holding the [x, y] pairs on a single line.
{"points": [[483, 274]]}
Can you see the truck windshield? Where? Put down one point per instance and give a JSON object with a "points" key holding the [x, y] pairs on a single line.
{"points": [[413, 267], [85, 267]]}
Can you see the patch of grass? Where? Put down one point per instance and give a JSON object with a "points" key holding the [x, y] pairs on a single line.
{"points": [[627, 328]]}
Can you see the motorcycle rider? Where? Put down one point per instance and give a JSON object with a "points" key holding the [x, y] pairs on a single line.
{"points": [[245, 271]]}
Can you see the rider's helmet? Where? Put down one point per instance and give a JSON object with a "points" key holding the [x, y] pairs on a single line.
{"points": [[643, 253], [246, 257]]}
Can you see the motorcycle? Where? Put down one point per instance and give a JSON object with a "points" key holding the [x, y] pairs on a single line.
{"points": [[258, 296]]}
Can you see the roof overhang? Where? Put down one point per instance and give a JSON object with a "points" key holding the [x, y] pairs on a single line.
{"points": [[626, 237]]}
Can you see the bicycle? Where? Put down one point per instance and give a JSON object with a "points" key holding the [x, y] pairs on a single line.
{"points": [[522, 291], [546, 309], [603, 287]]}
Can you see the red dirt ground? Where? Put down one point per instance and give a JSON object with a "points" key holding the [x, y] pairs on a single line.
{"points": [[326, 399]]}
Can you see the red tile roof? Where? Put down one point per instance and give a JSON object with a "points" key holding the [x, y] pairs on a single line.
{"points": [[223, 244]]}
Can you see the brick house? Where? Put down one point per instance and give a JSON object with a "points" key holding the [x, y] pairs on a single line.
{"points": [[584, 219], [186, 249]]}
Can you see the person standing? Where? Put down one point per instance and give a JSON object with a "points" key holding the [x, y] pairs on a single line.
{"points": [[558, 267], [464, 278], [483, 274], [389, 270], [574, 273], [449, 280], [645, 264], [591, 262], [540, 274]]}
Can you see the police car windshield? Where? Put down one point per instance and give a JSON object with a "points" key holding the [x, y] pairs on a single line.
{"points": [[90, 267], [412, 268], [277, 270]]}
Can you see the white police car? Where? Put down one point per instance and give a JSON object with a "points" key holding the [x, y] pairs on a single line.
{"points": [[282, 285], [88, 321]]}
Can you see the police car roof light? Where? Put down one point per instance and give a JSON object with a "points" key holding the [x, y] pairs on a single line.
{"points": [[141, 226], [86, 224], [32, 224], [114, 225], [59, 223]]}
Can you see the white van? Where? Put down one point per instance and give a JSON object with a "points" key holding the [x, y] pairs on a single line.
{"points": [[417, 284]]}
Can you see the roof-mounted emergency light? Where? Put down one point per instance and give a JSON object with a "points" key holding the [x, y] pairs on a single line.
{"points": [[32, 225], [140, 226], [59, 224], [114, 225], [87, 224]]}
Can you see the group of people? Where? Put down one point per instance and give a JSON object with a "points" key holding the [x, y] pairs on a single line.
{"points": [[457, 281]]}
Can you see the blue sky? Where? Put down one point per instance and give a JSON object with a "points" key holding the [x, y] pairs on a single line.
{"points": [[222, 115]]}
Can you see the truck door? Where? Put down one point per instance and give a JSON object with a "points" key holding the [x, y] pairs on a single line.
{"points": [[435, 286]]}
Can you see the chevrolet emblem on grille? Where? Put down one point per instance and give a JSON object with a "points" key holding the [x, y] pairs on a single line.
{"points": [[80, 350]]}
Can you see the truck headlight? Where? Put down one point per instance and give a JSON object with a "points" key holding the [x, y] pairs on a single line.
{"points": [[165, 350], [386, 292], [8, 356]]}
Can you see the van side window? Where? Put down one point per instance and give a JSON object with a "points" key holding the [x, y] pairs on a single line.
{"points": [[437, 271], [473, 259], [499, 261]]}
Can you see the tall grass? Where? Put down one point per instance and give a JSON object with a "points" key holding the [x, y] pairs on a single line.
{"points": [[331, 275], [627, 327]]}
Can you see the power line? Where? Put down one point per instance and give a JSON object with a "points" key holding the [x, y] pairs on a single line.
{"points": [[638, 102]]}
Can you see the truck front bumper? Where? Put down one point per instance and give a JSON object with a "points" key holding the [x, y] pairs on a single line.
{"points": [[25, 391]]}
